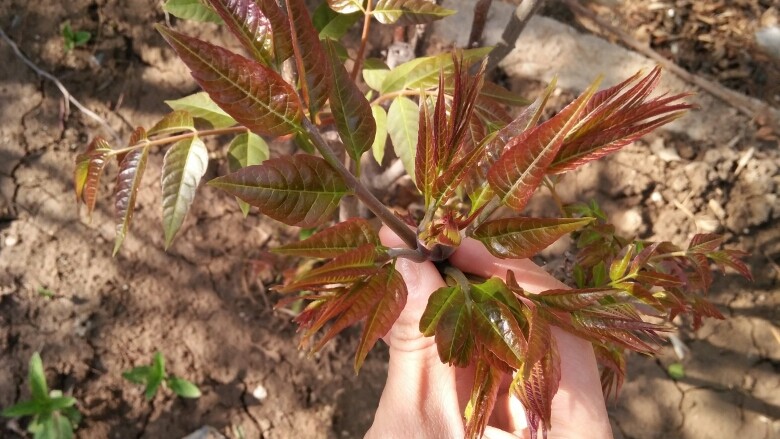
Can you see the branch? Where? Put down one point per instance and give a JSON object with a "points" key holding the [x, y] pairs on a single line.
{"points": [[737, 100], [373, 204], [63, 90], [512, 32], [478, 23]]}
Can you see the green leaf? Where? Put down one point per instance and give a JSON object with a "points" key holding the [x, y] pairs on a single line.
{"points": [[390, 290], [131, 171], [454, 333], [500, 94], [380, 140], [498, 330], [55, 426], [38, 388], [402, 120], [201, 106], [424, 72], [254, 95], [310, 59], [619, 266], [374, 73], [350, 109], [156, 376], [183, 388], [439, 302], [183, 166], [406, 12], [346, 6], [246, 150], [191, 10], [333, 241], [89, 168], [81, 38], [299, 190], [519, 172], [520, 238], [61, 402], [331, 24], [25, 408], [676, 371], [179, 120], [137, 375]]}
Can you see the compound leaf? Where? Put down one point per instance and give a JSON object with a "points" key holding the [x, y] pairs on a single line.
{"points": [[407, 12], [524, 237], [183, 166], [310, 58], [517, 174], [402, 120], [300, 190], [201, 106], [250, 92], [191, 10], [89, 168], [334, 241], [246, 150], [178, 120], [350, 109], [131, 171], [390, 288]]}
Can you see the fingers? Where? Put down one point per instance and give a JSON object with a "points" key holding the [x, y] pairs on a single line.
{"points": [[420, 398]]}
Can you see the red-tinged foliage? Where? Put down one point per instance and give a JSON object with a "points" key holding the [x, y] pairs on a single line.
{"points": [[300, 190], [343, 269], [535, 385], [524, 237], [487, 382], [333, 241], [89, 168], [731, 259], [250, 26], [131, 170], [253, 94], [310, 59], [351, 110], [613, 119], [519, 172], [613, 370]]}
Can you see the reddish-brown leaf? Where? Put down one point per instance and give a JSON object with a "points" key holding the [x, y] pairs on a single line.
{"points": [[300, 190], [524, 237], [351, 110], [250, 26], [705, 242], [425, 159], [343, 269], [389, 287], [448, 317], [254, 95], [731, 258], [89, 168], [613, 119], [487, 381], [334, 241], [613, 370], [131, 170], [658, 279], [535, 388], [573, 299], [497, 329], [517, 174], [310, 58]]}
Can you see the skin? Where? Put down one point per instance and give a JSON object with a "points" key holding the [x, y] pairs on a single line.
{"points": [[424, 398]]}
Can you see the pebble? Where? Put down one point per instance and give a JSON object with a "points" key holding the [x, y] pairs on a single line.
{"points": [[717, 209], [11, 241], [260, 393], [768, 39]]}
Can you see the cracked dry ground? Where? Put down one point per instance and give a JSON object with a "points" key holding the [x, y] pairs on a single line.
{"points": [[202, 306]]}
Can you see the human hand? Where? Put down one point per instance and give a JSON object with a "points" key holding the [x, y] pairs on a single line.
{"points": [[424, 398]]}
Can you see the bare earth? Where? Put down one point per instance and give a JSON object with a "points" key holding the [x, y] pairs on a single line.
{"points": [[205, 303]]}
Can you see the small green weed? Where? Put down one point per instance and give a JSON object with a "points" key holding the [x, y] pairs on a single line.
{"points": [[154, 374], [73, 38]]}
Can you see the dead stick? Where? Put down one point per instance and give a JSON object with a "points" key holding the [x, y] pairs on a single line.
{"points": [[512, 32], [737, 100], [61, 87]]}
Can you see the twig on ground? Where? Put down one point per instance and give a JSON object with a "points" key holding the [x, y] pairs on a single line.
{"points": [[63, 90], [512, 32], [736, 100]]}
